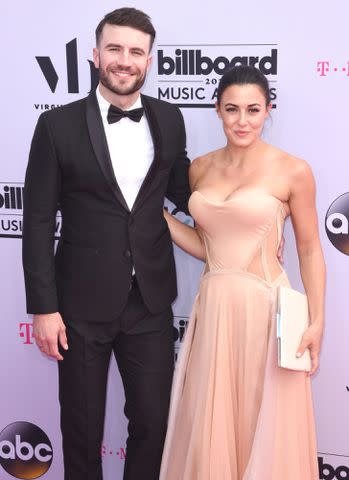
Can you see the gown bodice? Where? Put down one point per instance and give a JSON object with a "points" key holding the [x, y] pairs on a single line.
{"points": [[242, 232]]}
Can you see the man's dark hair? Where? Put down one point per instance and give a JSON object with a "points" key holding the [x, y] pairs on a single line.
{"points": [[127, 17]]}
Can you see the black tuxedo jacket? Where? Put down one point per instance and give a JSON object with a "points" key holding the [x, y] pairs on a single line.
{"points": [[101, 239]]}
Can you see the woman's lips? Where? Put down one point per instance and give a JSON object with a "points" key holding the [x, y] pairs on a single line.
{"points": [[241, 133]]}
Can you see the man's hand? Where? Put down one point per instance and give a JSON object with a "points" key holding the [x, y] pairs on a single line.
{"points": [[48, 330]]}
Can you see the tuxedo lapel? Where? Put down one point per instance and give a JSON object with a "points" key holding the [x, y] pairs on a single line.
{"points": [[100, 145], [156, 137]]}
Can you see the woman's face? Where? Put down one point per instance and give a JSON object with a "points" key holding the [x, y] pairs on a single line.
{"points": [[243, 111]]}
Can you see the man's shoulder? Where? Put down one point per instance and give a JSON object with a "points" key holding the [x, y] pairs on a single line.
{"points": [[160, 105], [65, 111]]}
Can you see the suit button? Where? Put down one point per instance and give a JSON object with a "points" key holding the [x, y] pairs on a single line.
{"points": [[127, 253]]}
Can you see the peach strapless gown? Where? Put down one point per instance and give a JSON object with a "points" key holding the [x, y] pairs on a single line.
{"points": [[235, 415]]}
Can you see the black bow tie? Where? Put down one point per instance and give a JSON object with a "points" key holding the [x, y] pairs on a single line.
{"points": [[115, 114]]}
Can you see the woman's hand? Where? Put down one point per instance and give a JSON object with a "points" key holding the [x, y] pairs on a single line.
{"points": [[312, 340], [166, 214]]}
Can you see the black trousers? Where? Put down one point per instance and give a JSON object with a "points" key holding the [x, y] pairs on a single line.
{"points": [[143, 346]]}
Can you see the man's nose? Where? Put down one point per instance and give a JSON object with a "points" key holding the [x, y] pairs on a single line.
{"points": [[124, 58]]}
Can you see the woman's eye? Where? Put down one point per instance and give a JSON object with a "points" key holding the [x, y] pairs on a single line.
{"points": [[254, 110]]}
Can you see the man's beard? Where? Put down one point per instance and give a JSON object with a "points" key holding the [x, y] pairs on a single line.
{"points": [[120, 89]]}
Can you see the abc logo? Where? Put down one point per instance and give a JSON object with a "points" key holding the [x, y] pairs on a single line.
{"points": [[337, 223], [327, 472], [25, 450]]}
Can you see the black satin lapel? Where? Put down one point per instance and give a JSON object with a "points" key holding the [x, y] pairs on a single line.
{"points": [[100, 145], [157, 141]]}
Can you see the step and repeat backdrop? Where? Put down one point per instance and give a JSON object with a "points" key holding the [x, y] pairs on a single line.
{"points": [[47, 62]]}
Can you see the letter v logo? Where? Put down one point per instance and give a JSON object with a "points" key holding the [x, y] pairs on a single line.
{"points": [[50, 74]]}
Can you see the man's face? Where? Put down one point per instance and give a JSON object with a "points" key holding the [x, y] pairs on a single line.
{"points": [[123, 58]]}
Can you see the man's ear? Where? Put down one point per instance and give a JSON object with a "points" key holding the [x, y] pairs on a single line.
{"points": [[96, 57], [149, 61]]}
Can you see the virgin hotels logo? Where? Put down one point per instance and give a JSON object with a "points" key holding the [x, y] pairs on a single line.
{"points": [[70, 78], [72, 74]]}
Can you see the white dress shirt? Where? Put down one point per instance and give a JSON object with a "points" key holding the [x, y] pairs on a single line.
{"points": [[131, 149]]}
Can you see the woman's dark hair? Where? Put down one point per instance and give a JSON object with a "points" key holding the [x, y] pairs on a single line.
{"points": [[127, 17], [243, 75]]}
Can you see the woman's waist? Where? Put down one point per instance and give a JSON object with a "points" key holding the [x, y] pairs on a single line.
{"points": [[277, 279]]}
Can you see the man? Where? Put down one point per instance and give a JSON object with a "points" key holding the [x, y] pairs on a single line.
{"points": [[108, 161]]}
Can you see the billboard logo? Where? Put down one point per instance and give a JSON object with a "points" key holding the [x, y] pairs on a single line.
{"points": [[25, 450], [11, 197], [11, 211], [192, 62], [337, 223], [188, 75]]}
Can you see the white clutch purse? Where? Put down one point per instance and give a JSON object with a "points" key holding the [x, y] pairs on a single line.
{"points": [[292, 320]]}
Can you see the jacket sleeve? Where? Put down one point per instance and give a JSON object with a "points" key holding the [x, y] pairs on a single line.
{"points": [[41, 195], [178, 189]]}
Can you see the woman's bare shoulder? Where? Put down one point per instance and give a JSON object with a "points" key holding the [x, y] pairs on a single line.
{"points": [[291, 165], [200, 165], [205, 159]]}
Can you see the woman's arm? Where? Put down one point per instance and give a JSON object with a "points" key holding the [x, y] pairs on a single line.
{"points": [[311, 259], [186, 237]]}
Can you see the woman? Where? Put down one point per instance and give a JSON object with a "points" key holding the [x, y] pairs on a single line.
{"points": [[235, 415]]}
